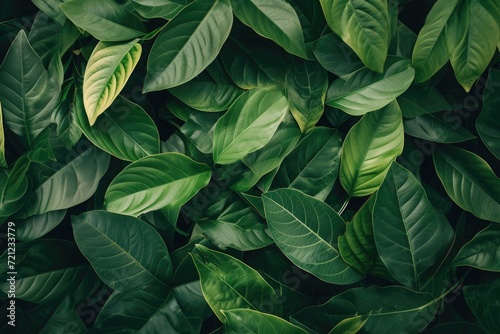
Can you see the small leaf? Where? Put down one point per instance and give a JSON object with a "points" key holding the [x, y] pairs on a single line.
{"points": [[13, 187], [436, 128], [483, 302], [482, 252], [488, 123], [165, 9], [247, 321], [107, 72]]}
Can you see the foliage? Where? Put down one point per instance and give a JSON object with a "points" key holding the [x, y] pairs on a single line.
{"points": [[251, 166]]}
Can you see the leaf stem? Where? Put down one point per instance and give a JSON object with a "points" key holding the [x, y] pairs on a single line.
{"points": [[344, 206]]}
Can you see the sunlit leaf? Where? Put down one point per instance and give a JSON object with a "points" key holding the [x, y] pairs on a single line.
{"points": [[482, 251]]}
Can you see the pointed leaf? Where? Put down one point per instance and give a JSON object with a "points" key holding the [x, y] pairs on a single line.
{"points": [[199, 128], [336, 56], [166, 9], [246, 321], [483, 302], [35, 227], [436, 128], [13, 187], [488, 122], [482, 252], [52, 9], [350, 325], [418, 101]]}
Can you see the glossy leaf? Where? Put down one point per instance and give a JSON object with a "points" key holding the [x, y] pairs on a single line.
{"points": [[459, 169], [52, 9], [107, 72], [409, 234], [336, 56], [482, 252], [154, 182], [483, 302], [166, 9], [369, 148], [37, 226], [365, 90], [312, 20], [488, 123], [436, 128], [276, 20], [249, 124], [228, 284], [199, 127], [188, 44], [106, 20], [247, 321], [122, 258], [306, 231], [418, 101], [350, 325], [13, 187]]}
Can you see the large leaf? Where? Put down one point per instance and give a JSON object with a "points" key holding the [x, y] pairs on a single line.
{"points": [[409, 234], [124, 130], [45, 37], [123, 258], [488, 122], [106, 20], [249, 124], [364, 26], [306, 231], [166, 9], [436, 128], [482, 251], [107, 72], [27, 92], [312, 166], [188, 44], [246, 321], [365, 90], [154, 182], [273, 19], [336, 56], [67, 182], [228, 284], [483, 300], [369, 148], [35, 227], [13, 187], [417, 101], [458, 170]]}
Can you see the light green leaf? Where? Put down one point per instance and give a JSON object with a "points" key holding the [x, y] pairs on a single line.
{"points": [[228, 283], [369, 148], [154, 182], [273, 19], [312, 166], [249, 124], [483, 302], [488, 122], [106, 20], [247, 321], [410, 235], [107, 72], [306, 231], [3, 162], [436, 128], [417, 101], [28, 97], [365, 90], [350, 325], [165, 9], [124, 130], [431, 49], [364, 26], [458, 170], [188, 44], [123, 258], [35, 227], [67, 182], [482, 252]]}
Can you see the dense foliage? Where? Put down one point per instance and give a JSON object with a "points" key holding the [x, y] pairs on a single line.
{"points": [[251, 166]]}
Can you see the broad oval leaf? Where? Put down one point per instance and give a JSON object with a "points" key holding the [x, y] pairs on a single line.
{"points": [[247, 321], [417, 101], [336, 56], [154, 182], [123, 258], [436, 128], [106, 20], [482, 252], [306, 231], [273, 19], [458, 170], [35, 227], [483, 302], [107, 72], [188, 44], [249, 124], [365, 90], [228, 283], [409, 233], [488, 122], [166, 9], [124, 130], [369, 148], [363, 25]]}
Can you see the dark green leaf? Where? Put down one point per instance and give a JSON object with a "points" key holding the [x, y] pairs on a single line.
{"points": [[246, 321], [13, 187], [488, 124], [417, 101], [483, 300], [166, 9], [336, 56], [436, 128], [37, 226], [482, 252]]}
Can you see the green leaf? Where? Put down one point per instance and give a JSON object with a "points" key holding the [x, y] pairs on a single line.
{"points": [[312, 166], [411, 237], [188, 44], [276, 20], [350, 325], [52, 9], [123, 258], [45, 37], [199, 128], [107, 72], [436, 128], [403, 40], [228, 284], [431, 49], [246, 321], [459, 169], [28, 97], [124, 130], [3, 162], [67, 182], [483, 302], [106, 20], [364, 26], [165, 9], [455, 328], [365, 90], [306, 231], [154, 182], [336, 56], [417, 101], [306, 86], [478, 43], [482, 252], [35, 227], [369, 149], [13, 187], [488, 123], [249, 124], [64, 116]]}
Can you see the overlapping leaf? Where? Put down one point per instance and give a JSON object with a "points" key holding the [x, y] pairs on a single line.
{"points": [[482, 251], [436, 128], [247, 321], [488, 124], [37, 226], [166, 9], [13, 187], [483, 301]]}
